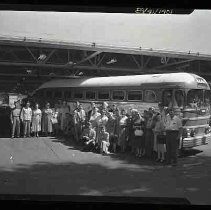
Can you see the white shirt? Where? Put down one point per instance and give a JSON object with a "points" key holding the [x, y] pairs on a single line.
{"points": [[174, 123], [26, 114], [123, 120]]}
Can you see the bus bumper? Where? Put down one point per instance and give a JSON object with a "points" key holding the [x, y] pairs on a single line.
{"points": [[196, 141]]}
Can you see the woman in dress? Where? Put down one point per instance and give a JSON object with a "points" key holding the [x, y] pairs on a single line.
{"points": [[47, 120], [159, 145], [55, 119], [122, 130], [102, 121], [138, 130], [36, 120], [94, 117]]}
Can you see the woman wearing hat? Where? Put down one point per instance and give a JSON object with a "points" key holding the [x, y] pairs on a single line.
{"points": [[46, 120]]}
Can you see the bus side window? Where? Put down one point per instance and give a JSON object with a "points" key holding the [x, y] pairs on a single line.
{"points": [[90, 95], [58, 94], [150, 96], [49, 93], [135, 95], [78, 94], [67, 94], [103, 94], [40, 93], [118, 95]]}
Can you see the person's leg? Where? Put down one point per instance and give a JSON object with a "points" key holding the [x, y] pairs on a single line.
{"points": [[150, 142], [158, 152], [13, 127], [174, 148], [162, 150], [168, 147], [28, 128], [101, 148], [114, 147], [25, 128], [18, 127]]}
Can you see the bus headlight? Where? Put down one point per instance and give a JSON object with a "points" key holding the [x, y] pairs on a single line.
{"points": [[192, 133], [207, 130]]}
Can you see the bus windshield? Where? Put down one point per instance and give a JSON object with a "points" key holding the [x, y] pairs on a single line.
{"points": [[198, 98]]}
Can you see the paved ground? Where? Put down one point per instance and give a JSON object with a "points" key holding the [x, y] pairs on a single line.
{"points": [[52, 166]]}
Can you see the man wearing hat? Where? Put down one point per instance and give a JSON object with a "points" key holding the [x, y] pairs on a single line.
{"points": [[173, 134], [15, 119], [88, 137]]}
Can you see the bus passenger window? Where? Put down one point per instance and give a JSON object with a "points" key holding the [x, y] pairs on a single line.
{"points": [[67, 94], [49, 94], [103, 94], [90, 95], [78, 95], [179, 98], [118, 95], [58, 94], [134, 95], [150, 96], [40, 93]]}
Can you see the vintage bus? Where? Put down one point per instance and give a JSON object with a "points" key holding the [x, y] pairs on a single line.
{"points": [[187, 93]]}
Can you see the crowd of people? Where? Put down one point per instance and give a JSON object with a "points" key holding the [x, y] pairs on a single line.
{"points": [[105, 129]]}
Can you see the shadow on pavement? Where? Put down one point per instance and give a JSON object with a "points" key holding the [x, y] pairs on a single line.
{"points": [[119, 175], [44, 178], [127, 156], [190, 152]]}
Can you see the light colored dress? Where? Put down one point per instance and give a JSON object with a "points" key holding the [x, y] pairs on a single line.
{"points": [[36, 120], [46, 120], [101, 121], [93, 119]]}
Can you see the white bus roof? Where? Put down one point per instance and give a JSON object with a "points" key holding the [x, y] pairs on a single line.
{"points": [[187, 80]]}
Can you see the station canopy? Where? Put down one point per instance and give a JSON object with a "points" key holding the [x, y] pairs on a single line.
{"points": [[36, 46]]}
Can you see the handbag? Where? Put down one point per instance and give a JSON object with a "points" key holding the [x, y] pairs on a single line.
{"points": [[138, 132], [161, 139], [54, 120]]}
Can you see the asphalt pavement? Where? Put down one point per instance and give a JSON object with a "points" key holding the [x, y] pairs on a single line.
{"points": [[50, 166]]}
